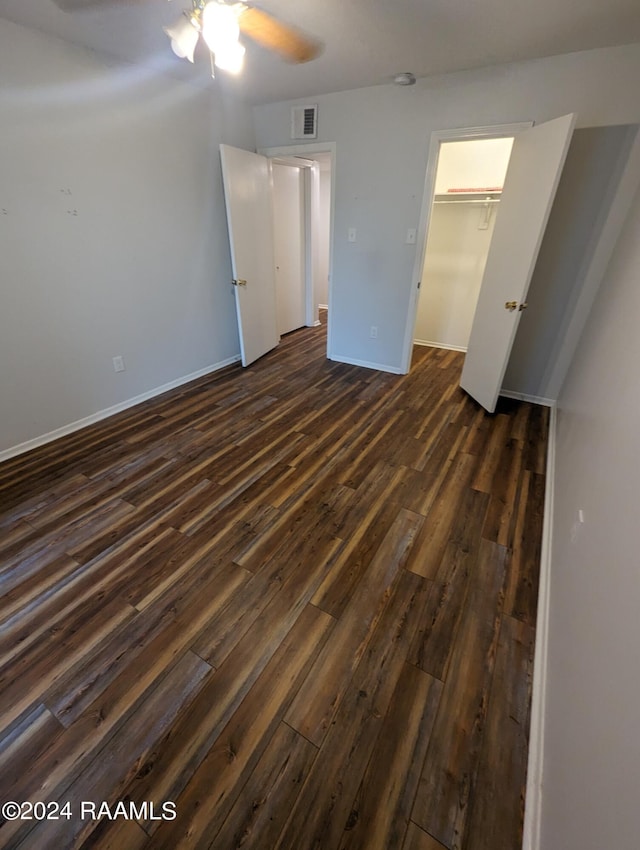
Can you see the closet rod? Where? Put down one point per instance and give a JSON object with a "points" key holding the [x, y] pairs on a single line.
{"points": [[469, 201]]}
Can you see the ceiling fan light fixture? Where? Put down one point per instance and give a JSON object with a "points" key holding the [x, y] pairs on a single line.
{"points": [[220, 28], [220, 23], [230, 58], [184, 37]]}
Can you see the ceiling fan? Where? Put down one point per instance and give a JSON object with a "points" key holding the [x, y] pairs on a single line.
{"points": [[220, 23]]}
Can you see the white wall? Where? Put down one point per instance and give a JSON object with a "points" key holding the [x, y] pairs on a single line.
{"points": [[452, 274], [382, 136], [592, 751], [113, 233]]}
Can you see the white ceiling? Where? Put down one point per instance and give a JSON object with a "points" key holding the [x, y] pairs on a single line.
{"points": [[366, 41]]}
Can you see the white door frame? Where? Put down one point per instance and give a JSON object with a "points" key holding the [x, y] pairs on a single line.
{"points": [[311, 201], [461, 134]]}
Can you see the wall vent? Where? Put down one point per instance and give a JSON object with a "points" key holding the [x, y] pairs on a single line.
{"points": [[304, 122]]}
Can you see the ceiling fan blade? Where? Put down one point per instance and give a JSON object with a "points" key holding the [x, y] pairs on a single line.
{"points": [[287, 41]]}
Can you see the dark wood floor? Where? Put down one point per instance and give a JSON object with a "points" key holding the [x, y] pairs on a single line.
{"points": [[298, 601]]}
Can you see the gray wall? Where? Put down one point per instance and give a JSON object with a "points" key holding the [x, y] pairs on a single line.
{"points": [[112, 232], [588, 186], [592, 747], [382, 136]]}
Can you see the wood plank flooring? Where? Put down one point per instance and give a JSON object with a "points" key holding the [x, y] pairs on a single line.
{"points": [[297, 601]]}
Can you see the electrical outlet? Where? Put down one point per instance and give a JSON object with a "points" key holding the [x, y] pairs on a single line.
{"points": [[373, 332], [118, 363], [351, 235]]}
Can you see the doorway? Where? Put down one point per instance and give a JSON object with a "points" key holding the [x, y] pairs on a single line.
{"points": [[438, 139], [468, 186], [535, 166], [316, 164], [289, 244]]}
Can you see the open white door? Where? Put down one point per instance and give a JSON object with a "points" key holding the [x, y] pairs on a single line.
{"points": [[535, 166], [247, 193]]}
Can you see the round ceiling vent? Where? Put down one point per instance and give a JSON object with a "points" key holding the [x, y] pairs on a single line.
{"points": [[404, 79]]}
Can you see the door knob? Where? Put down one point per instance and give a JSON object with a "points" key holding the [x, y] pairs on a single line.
{"points": [[239, 282], [510, 305], [523, 306]]}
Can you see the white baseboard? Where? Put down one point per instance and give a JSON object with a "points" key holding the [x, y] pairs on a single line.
{"points": [[534, 399], [535, 764], [429, 344], [380, 367], [21, 448]]}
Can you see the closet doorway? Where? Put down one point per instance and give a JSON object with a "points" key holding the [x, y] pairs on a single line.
{"points": [[468, 185], [535, 166], [448, 271]]}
